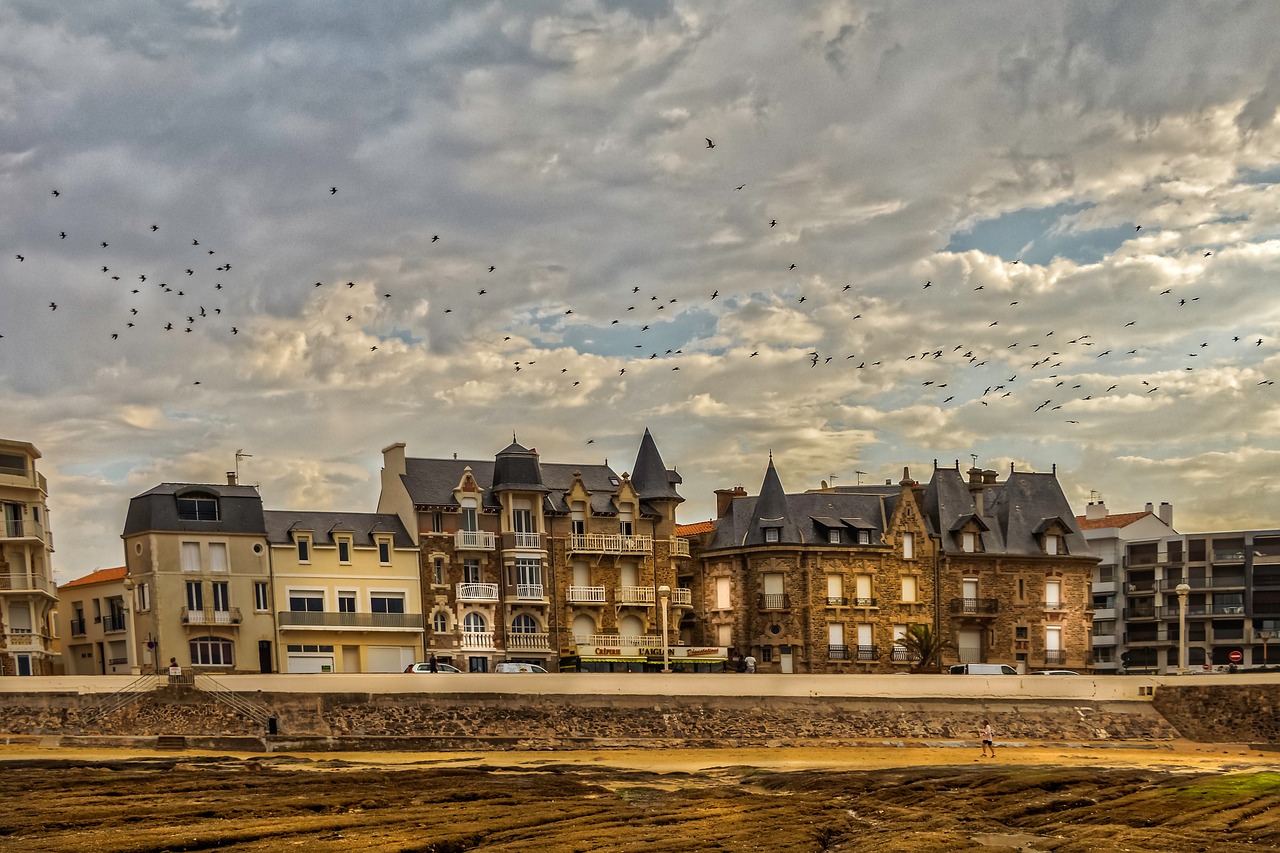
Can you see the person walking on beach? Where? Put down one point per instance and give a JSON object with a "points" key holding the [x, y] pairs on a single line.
{"points": [[988, 737]]}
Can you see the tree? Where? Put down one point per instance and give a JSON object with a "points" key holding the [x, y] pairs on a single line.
{"points": [[925, 645]]}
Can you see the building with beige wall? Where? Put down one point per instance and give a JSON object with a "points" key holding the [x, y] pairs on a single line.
{"points": [[95, 624], [196, 555], [347, 591], [27, 593]]}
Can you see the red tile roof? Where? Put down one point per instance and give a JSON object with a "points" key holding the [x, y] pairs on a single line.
{"points": [[1119, 519], [97, 576], [695, 528]]}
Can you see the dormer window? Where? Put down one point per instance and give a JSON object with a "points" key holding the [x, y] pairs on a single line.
{"points": [[304, 549], [384, 551], [198, 506], [1051, 543], [344, 550], [833, 536], [772, 534], [969, 542], [864, 537], [908, 546]]}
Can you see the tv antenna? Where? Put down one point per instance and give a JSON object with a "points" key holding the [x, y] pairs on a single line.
{"points": [[240, 454], [860, 474]]}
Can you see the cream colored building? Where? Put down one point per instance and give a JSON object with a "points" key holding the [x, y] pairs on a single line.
{"points": [[27, 593], [347, 591], [94, 621], [196, 556]]}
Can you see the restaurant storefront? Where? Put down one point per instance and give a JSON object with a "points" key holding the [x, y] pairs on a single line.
{"points": [[643, 658]]}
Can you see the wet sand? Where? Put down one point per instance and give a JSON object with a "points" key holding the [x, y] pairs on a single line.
{"points": [[1172, 797]]}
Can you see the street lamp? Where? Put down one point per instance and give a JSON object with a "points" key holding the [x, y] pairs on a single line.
{"points": [[1265, 637], [664, 593], [131, 653], [1182, 589]]}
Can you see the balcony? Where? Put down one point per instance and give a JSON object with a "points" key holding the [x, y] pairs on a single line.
{"points": [[838, 652], [681, 597], [1054, 657], [77, 627], [1054, 606], [899, 654], [1108, 639], [475, 641], [200, 617], [527, 592], [974, 607], [114, 623], [1228, 555], [25, 641], [616, 641], [1101, 614], [522, 541], [586, 595], [20, 528], [837, 601], [22, 581], [477, 591], [604, 543], [1152, 612], [775, 601], [680, 547], [348, 621], [1171, 584], [868, 653], [862, 602], [1141, 587], [642, 596], [475, 540], [530, 641]]}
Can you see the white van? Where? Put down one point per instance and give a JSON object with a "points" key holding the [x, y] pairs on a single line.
{"points": [[983, 669], [512, 666]]}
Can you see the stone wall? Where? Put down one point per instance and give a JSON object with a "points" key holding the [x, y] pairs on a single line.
{"points": [[1222, 713], [564, 721]]}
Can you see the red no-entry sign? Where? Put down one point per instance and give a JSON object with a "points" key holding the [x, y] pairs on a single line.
{"points": [[1236, 656]]}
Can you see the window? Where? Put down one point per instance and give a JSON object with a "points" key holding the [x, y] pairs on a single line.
{"points": [[722, 593], [306, 601], [440, 623], [344, 551], [198, 507], [195, 595], [437, 570], [524, 624], [384, 551], [772, 534], [1051, 543], [766, 654], [261, 601], [304, 549], [908, 546], [1052, 593], [579, 516], [528, 571], [218, 557], [909, 585], [469, 515], [473, 623], [969, 542], [211, 651], [522, 517], [141, 598], [1020, 632], [624, 521], [833, 536], [386, 602], [864, 537], [221, 596], [11, 463], [346, 602], [471, 571], [437, 522], [191, 556]]}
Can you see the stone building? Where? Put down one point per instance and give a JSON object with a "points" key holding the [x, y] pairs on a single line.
{"points": [[829, 580], [537, 562], [27, 592]]}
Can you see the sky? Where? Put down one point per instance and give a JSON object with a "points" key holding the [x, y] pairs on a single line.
{"points": [[1027, 235]]}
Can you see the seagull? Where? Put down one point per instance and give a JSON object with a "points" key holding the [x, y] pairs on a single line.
{"points": [[62, 234], [491, 269], [155, 227], [435, 237], [754, 354], [195, 242], [710, 144], [333, 190], [349, 318], [53, 306], [846, 287], [928, 284], [772, 222], [190, 272], [793, 266], [1139, 228], [591, 441], [1207, 254], [715, 294], [481, 292], [20, 258], [56, 193], [234, 330], [740, 186], [104, 244]]}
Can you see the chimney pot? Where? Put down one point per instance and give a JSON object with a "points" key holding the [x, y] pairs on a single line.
{"points": [[1166, 513], [231, 478]]}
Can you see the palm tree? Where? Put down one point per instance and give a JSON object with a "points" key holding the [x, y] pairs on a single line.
{"points": [[925, 645]]}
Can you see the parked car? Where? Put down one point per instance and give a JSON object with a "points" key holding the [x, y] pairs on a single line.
{"points": [[983, 669], [510, 666], [426, 667], [1056, 672]]}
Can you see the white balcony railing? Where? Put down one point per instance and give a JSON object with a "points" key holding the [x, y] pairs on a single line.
{"points": [[586, 595], [477, 592], [680, 547], [211, 617], [477, 640], [604, 543], [526, 540], [616, 640], [682, 597], [536, 641], [642, 595], [355, 621], [475, 540], [25, 581], [529, 592], [20, 641]]}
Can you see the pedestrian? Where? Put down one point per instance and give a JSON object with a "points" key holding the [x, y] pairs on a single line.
{"points": [[432, 665], [750, 661], [988, 738], [175, 671]]}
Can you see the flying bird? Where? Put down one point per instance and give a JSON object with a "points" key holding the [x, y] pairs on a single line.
{"points": [[710, 144], [740, 186], [491, 269], [435, 237], [20, 258], [53, 306], [333, 190], [62, 234], [772, 222], [56, 193]]}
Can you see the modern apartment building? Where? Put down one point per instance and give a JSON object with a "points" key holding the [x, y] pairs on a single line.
{"points": [[27, 593], [829, 580], [530, 561], [94, 622], [347, 592]]}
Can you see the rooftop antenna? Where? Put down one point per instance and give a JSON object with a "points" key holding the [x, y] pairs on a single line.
{"points": [[240, 454], [833, 480], [974, 457], [860, 474]]}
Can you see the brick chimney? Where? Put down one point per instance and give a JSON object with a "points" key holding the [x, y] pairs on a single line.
{"points": [[725, 498], [231, 478]]}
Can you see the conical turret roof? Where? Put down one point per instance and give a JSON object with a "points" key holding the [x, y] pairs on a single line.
{"points": [[772, 511], [650, 477]]}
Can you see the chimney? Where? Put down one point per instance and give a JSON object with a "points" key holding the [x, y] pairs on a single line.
{"points": [[725, 497], [231, 478], [1166, 513], [975, 489], [1150, 507], [1098, 509]]}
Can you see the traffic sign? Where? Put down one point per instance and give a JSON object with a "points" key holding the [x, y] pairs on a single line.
{"points": [[1236, 656]]}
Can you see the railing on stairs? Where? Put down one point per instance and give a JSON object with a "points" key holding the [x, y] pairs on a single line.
{"points": [[127, 695], [234, 701]]}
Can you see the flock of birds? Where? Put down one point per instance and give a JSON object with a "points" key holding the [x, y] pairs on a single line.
{"points": [[193, 295]]}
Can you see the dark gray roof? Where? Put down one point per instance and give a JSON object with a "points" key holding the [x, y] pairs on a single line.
{"points": [[323, 525], [516, 468], [430, 482], [1013, 512], [650, 475], [239, 510], [814, 513]]}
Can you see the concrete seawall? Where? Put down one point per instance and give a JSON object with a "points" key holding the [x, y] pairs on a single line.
{"points": [[575, 711]]}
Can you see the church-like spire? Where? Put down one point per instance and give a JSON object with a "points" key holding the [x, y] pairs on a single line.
{"points": [[772, 512], [650, 477]]}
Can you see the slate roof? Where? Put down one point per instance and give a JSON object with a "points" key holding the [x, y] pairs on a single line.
{"points": [[430, 482], [97, 576], [650, 476], [869, 509], [1013, 512], [239, 510], [323, 525]]}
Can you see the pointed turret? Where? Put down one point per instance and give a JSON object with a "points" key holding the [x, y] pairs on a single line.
{"points": [[772, 513], [652, 480], [516, 468]]}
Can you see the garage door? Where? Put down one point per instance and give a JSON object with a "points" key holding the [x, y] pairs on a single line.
{"points": [[311, 663], [389, 658]]}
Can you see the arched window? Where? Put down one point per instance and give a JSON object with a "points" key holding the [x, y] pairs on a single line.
{"points": [[524, 624], [440, 623], [473, 623], [212, 651]]}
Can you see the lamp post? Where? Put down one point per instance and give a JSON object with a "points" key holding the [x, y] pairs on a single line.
{"points": [[1182, 589], [1265, 637], [131, 654], [664, 593]]}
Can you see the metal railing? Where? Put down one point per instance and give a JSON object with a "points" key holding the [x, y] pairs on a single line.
{"points": [[113, 623], [130, 693], [330, 619], [477, 591], [210, 617], [1055, 605], [681, 597], [863, 602], [207, 684], [615, 543], [901, 654], [1052, 658], [77, 628], [680, 547], [837, 601], [775, 601], [641, 595], [529, 592], [526, 540], [975, 606], [868, 653], [613, 641], [586, 595], [837, 652], [475, 540], [25, 581], [21, 528]]}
